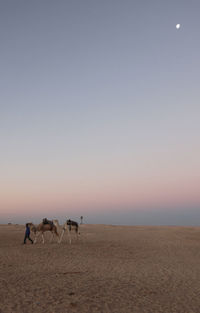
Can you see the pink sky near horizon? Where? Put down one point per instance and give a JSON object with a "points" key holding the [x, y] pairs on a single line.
{"points": [[152, 193], [155, 179]]}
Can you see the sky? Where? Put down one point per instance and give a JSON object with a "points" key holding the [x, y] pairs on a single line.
{"points": [[99, 111]]}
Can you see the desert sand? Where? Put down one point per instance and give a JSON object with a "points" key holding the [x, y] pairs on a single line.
{"points": [[110, 269]]}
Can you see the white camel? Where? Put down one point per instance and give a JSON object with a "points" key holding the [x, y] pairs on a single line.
{"points": [[68, 226]]}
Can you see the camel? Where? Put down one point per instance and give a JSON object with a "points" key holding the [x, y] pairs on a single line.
{"points": [[69, 225], [41, 228]]}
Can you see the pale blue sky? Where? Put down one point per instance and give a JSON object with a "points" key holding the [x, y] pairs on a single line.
{"points": [[98, 97]]}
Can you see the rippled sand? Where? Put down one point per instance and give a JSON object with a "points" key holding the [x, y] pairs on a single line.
{"points": [[110, 269]]}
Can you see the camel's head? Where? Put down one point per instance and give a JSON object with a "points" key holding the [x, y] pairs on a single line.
{"points": [[32, 227]]}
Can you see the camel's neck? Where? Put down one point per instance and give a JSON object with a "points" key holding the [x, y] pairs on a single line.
{"points": [[56, 223]]}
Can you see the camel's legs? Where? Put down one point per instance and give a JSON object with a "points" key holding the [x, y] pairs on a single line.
{"points": [[42, 238], [70, 240], [52, 236], [68, 232], [36, 236], [58, 237], [61, 235], [53, 233]]}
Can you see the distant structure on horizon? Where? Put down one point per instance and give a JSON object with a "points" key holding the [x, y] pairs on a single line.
{"points": [[81, 218]]}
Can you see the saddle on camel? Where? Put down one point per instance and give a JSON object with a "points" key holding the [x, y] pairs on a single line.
{"points": [[45, 221], [71, 223]]}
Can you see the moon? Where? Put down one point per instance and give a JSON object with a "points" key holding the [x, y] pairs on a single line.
{"points": [[178, 26]]}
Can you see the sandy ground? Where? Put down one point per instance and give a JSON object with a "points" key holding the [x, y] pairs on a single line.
{"points": [[110, 269]]}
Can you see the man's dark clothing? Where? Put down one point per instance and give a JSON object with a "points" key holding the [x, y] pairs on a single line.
{"points": [[27, 235]]}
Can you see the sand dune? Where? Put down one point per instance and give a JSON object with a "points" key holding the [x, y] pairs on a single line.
{"points": [[110, 269]]}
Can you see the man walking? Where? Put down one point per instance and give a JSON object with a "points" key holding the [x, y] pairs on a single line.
{"points": [[27, 234]]}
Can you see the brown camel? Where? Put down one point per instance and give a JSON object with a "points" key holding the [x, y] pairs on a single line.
{"points": [[41, 228]]}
